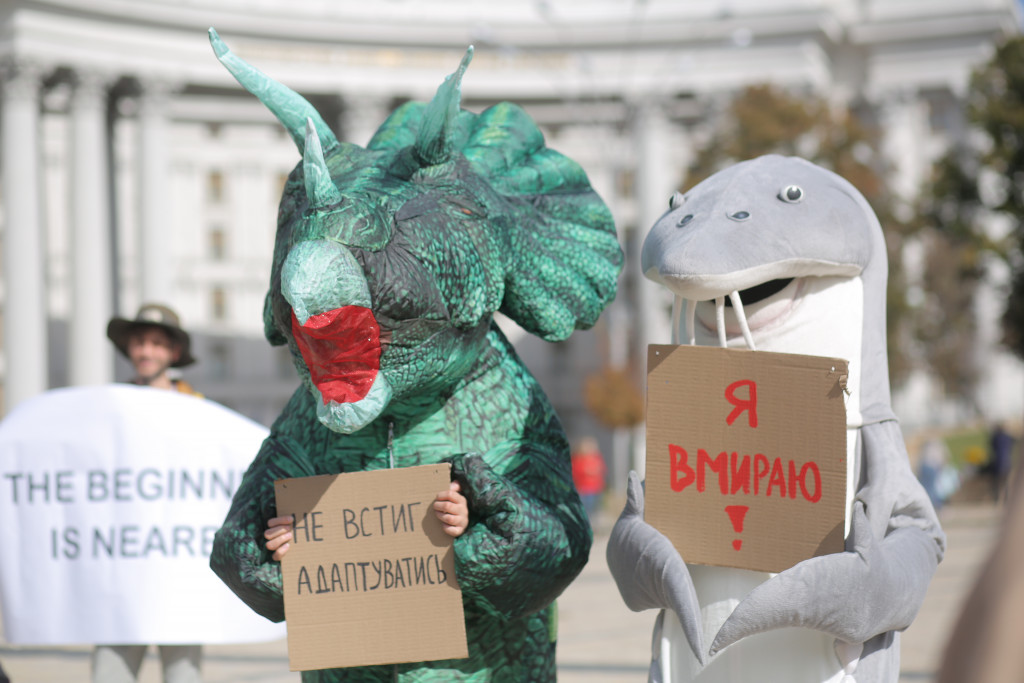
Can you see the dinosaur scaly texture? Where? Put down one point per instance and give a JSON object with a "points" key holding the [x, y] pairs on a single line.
{"points": [[389, 264]]}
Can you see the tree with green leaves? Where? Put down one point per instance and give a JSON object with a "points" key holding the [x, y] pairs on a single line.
{"points": [[972, 211], [996, 105]]}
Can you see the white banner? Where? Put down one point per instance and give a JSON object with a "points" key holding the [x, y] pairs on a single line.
{"points": [[109, 500]]}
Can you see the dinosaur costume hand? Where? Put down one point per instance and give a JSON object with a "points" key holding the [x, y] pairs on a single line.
{"points": [[649, 571], [876, 586], [520, 550]]}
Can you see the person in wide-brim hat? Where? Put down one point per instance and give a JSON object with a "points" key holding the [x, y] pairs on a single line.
{"points": [[120, 330], [153, 342]]}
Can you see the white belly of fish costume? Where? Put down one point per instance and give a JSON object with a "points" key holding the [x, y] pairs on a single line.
{"points": [[801, 258]]}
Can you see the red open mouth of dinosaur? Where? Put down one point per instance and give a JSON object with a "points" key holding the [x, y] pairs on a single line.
{"points": [[342, 351]]}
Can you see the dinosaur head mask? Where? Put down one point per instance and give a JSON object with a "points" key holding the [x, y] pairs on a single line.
{"points": [[390, 260]]}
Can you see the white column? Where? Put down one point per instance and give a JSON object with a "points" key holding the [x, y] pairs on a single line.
{"points": [[906, 143], [91, 354], [657, 177], [156, 246], [362, 116], [25, 338]]}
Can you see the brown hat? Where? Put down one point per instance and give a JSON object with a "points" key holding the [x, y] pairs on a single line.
{"points": [[152, 315]]}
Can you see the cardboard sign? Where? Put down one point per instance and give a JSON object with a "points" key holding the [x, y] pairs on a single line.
{"points": [[370, 576], [746, 455]]}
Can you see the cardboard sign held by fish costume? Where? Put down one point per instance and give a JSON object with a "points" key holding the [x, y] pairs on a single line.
{"points": [[746, 455]]}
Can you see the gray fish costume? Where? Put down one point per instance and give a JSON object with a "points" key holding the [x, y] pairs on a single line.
{"points": [[801, 258]]}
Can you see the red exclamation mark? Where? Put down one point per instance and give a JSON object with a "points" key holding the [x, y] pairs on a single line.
{"points": [[736, 514]]}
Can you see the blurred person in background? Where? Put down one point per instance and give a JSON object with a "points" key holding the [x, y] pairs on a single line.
{"points": [[999, 462], [155, 343], [588, 474], [937, 474]]}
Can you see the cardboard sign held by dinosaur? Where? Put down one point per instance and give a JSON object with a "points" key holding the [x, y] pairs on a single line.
{"points": [[371, 577]]}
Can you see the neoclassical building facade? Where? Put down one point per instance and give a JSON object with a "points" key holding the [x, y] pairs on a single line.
{"points": [[135, 169]]}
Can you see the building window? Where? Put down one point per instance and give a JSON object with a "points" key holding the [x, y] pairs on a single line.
{"points": [[218, 303], [215, 187], [218, 239]]}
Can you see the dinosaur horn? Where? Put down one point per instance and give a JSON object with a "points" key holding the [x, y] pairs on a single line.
{"points": [[320, 189], [434, 142], [290, 108]]}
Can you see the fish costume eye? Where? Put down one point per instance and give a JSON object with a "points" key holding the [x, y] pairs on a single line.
{"points": [[676, 200], [791, 194]]}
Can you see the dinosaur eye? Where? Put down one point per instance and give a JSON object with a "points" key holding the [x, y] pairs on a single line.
{"points": [[791, 194], [676, 200], [740, 215], [684, 220]]}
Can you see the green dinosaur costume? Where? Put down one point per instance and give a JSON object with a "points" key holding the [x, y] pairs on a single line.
{"points": [[389, 264]]}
